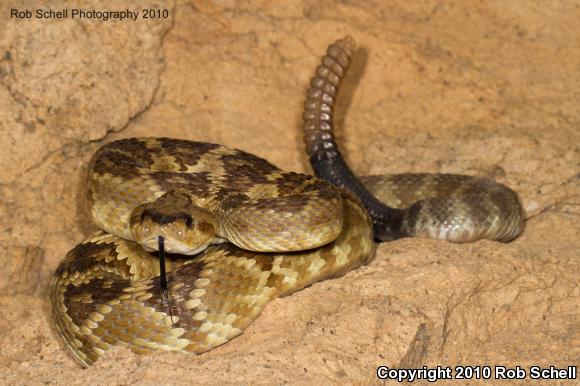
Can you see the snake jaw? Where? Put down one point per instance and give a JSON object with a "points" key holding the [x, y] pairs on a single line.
{"points": [[173, 246], [179, 238]]}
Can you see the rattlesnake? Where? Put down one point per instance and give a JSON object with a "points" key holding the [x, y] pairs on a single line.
{"points": [[285, 231]]}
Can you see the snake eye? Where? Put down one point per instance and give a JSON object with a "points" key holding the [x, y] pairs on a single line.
{"points": [[188, 221]]}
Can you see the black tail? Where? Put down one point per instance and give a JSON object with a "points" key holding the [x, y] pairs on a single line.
{"points": [[321, 147]]}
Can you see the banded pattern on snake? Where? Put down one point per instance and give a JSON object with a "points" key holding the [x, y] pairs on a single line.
{"points": [[107, 292], [257, 233]]}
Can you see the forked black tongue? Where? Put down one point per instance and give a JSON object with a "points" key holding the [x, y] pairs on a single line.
{"points": [[163, 276]]}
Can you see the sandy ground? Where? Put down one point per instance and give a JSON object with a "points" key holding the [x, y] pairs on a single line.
{"points": [[477, 87]]}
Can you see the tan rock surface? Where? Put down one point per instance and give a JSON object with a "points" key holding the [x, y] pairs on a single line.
{"points": [[488, 88]]}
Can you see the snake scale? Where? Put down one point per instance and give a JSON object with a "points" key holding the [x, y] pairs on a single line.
{"points": [[255, 232]]}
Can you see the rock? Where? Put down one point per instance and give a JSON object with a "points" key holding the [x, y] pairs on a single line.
{"points": [[22, 268], [477, 88]]}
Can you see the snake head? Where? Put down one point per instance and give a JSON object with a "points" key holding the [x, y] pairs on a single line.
{"points": [[186, 228]]}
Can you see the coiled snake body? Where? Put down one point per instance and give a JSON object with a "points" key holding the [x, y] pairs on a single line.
{"points": [[257, 233]]}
